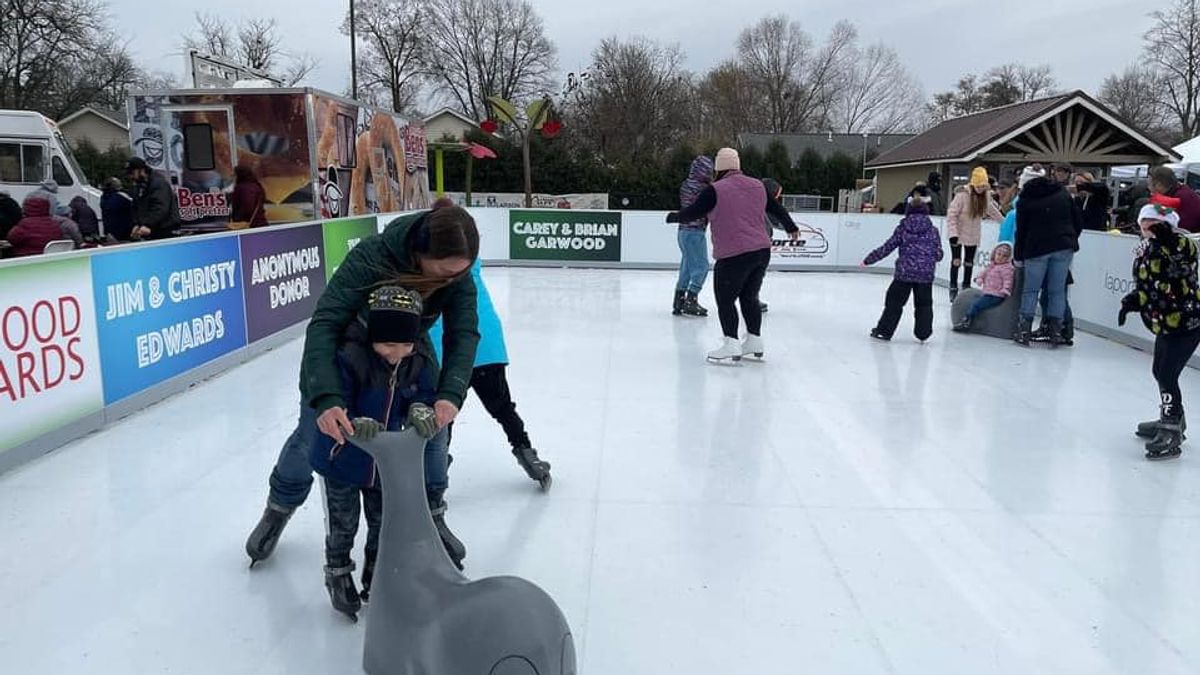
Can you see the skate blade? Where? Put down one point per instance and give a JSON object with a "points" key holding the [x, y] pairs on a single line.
{"points": [[731, 362], [754, 358], [545, 483], [1164, 456]]}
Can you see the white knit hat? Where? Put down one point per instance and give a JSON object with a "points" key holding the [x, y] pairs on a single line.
{"points": [[1160, 213], [728, 160], [1028, 174]]}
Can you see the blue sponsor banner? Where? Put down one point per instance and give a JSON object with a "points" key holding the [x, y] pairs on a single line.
{"points": [[164, 310]]}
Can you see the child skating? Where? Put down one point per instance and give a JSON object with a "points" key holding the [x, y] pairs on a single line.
{"points": [[996, 282], [1167, 296], [920, 247]]}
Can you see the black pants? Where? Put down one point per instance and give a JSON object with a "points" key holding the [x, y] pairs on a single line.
{"points": [[1171, 354], [737, 280], [342, 509], [967, 262], [893, 308], [491, 385]]}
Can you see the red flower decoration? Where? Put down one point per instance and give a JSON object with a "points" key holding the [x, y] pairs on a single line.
{"points": [[550, 129], [489, 126]]}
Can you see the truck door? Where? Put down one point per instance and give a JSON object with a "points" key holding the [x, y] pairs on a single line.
{"points": [[200, 156]]}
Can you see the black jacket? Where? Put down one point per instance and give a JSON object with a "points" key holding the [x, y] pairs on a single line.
{"points": [[1093, 201], [1047, 221], [116, 208], [10, 214], [155, 207]]}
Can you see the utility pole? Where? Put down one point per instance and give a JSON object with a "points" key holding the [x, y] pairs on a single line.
{"points": [[353, 56]]}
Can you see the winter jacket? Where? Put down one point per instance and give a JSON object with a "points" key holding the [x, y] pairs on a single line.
{"points": [[492, 350], [1093, 201], [85, 217], [1047, 221], [156, 207], [10, 214], [735, 206], [959, 222], [773, 222], [249, 202], [370, 391], [36, 229], [699, 177], [117, 210], [374, 261], [1008, 228], [920, 246], [1189, 207], [1166, 292], [997, 279]]}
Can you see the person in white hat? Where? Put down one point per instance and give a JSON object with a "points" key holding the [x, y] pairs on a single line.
{"points": [[1167, 296]]}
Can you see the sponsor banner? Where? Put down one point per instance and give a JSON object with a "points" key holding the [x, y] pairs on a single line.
{"points": [[1103, 271], [818, 243], [49, 356], [342, 235], [565, 235], [283, 274], [597, 201], [164, 310]]}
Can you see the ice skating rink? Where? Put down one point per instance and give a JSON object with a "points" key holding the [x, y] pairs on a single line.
{"points": [[849, 507]]}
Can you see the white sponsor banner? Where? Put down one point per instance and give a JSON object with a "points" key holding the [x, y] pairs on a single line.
{"points": [[816, 247], [513, 200]]}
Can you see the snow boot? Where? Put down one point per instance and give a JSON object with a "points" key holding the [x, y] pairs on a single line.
{"points": [[261, 543], [339, 581]]}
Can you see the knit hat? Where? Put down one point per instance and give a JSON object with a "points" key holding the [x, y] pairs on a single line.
{"points": [[1159, 213], [394, 315], [1028, 174], [728, 160], [979, 177]]}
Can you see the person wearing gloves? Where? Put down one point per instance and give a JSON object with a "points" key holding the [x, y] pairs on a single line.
{"points": [[1167, 296], [996, 282], [920, 247], [1047, 237], [964, 221], [735, 205], [693, 244]]}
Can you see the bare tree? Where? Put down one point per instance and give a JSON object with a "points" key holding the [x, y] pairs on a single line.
{"points": [[728, 103], [395, 36], [257, 45], [1172, 48], [1016, 83], [484, 48], [1133, 94], [876, 93], [213, 35]]}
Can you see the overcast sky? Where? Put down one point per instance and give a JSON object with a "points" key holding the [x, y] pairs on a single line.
{"points": [[1083, 42]]}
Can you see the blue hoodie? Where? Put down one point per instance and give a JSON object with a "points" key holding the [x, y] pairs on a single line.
{"points": [[492, 350], [1008, 229]]}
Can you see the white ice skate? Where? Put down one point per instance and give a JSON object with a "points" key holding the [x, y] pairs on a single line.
{"points": [[728, 354], [752, 348]]}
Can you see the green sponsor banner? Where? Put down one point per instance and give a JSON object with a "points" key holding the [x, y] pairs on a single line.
{"points": [[342, 235], [565, 234]]}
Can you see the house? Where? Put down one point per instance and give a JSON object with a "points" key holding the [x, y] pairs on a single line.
{"points": [[827, 144], [1071, 128], [448, 123], [101, 127]]}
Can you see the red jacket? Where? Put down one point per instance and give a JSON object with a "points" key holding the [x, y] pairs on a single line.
{"points": [[36, 229], [249, 202]]}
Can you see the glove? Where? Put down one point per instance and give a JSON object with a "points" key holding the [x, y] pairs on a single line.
{"points": [[673, 217], [366, 428], [1121, 316], [422, 418]]}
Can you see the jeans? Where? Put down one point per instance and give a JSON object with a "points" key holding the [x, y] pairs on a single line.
{"points": [[491, 385], [437, 466], [693, 268], [983, 303], [893, 308], [1171, 354], [291, 479], [1050, 271], [342, 510], [737, 281]]}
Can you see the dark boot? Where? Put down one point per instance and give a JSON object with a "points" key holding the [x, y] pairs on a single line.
{"points": [[261, 543], [1149, 429], [963, 326], [368, 575], [953, 292], [536, 468], [454, 547], [691, 307], [339, 581], [678, 307], [1023, 335], [1057, 338]]}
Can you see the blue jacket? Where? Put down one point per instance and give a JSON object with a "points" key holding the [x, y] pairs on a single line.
{"points": [[1008, 229], [367, 389], [491, 334]]}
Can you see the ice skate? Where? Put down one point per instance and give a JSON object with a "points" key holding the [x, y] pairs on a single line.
{"points": [[691, 306], [536, 468], [368, 575], [1023, 335], [963, 326], [752, 348], [1168, 442], [677, 310], [261, 543], [729, 353], [1149, 430], [342, 593], [878, 335], [454, 547]]}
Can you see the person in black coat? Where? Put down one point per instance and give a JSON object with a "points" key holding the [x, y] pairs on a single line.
{"points": [[155, 208], [1048, 227], [116, 208], [1093, 198], [10, 214]]}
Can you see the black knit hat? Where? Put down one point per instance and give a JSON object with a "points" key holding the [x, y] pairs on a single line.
{"points": [[395, 315]]}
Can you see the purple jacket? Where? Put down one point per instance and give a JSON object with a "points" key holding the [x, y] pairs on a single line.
{"points": [[920, 247], [699, 178], [738, 221]]}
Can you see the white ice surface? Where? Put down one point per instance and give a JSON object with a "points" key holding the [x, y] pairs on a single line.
{"points": [[849, 507]]}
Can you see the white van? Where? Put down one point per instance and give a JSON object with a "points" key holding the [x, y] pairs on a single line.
{"points": [[32, 151]]}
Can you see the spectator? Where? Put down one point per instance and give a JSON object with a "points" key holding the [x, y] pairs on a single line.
{"points": [[117, 209], [68, 227], [1048, 226], [1093, 199], [36, 228], [1164, 182], [937, 207], [10, 213], [1062, 174], [85, 217], [155, 209], [249, 199]]}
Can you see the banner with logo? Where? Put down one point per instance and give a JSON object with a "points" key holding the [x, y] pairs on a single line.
{"points": [[164, 310], [596, 201], [817, 245], [49, 357], [565, 235], [283, 274], [343, 234], [1103, 271]]}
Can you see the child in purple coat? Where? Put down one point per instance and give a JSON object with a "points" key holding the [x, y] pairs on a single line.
{"points": [[920, 247]]}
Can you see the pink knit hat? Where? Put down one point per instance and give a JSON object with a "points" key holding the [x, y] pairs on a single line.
{"points": [[728, 160]]}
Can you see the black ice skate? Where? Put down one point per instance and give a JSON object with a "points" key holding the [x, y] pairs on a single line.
{"points": [[878, 335], [342, 593], [367, 576], [536, 468], [1149, 430], [1167, 444], [691, 306], [265, 535], [677, 309], [963, 326], [454, 547], [1023, 336]]}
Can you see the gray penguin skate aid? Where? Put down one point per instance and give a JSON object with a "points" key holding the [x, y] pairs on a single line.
{"points": [[425, 617]]}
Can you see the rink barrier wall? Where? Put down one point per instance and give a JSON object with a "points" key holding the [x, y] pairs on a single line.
{"points": [[90, 337]]}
